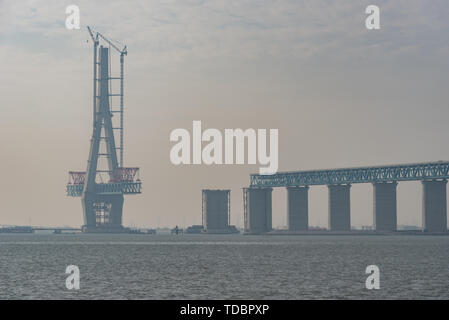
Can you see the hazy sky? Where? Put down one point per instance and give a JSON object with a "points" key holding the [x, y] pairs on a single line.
{"points": [[339, 94]]}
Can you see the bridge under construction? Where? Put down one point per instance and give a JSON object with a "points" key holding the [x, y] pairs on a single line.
{"points": [[105, 182], [433, 176]]}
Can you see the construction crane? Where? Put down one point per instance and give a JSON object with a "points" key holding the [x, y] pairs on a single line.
{"points": [[98, 34]]}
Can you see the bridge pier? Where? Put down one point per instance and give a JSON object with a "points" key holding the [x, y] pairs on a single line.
{"points": [[298, 208], [216, 208], [385, 206], [434, 215], [257, 210], [339, 217]]}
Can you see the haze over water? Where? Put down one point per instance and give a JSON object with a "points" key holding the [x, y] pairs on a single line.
{"points": [[223, 267]]}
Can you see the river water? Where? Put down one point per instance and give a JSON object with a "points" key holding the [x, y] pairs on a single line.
{"points": [[223, 267]]}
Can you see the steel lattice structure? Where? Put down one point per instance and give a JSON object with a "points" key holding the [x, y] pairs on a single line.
{"points": [[401, 172], [76, 190]]}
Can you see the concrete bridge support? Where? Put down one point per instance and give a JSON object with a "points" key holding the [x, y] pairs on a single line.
{"points": [[385, 206], [339, 207], [257, 210], [434, 214], [216, 209], [298, 208]]}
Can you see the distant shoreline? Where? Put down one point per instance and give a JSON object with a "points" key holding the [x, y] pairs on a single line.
{"points": [[352, 233]]}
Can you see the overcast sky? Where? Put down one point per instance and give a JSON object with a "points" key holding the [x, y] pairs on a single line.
{"points": [[339, 94]]}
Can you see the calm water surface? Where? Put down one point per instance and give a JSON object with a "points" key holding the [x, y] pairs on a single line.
{"points": [[223, 267]]}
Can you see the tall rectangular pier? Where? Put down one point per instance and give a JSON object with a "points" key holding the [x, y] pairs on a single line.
{"points": [[257, 210], [385, 206], [434, 215], [216, 207], [339, 207], [298, 208]]}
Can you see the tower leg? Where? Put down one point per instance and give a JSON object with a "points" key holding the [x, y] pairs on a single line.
{"points": [[87, 201]]}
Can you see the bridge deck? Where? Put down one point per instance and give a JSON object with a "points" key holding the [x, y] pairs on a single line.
{"points": [[400, 172]]}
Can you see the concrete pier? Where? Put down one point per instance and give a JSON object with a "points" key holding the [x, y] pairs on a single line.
{"points": [[257, 210], [434, 215], [339, 207], [385, 206], [216, 210], [298, 208]]}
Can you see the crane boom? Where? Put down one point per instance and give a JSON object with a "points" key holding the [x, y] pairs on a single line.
{"points": [[98, 34], [94, 39], [123, 51]]}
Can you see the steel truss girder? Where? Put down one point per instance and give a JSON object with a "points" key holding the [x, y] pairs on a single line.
{"points": [[402, 172], [76, 190]]}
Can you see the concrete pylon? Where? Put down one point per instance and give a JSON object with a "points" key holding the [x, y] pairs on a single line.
{"points": [[434, 215], [385, 206], [257, 210], [298, 208], [339, 217], [102, 212], [216, 209]]}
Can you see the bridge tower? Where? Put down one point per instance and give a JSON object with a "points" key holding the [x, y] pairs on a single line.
{"points": [[103, 186]]}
